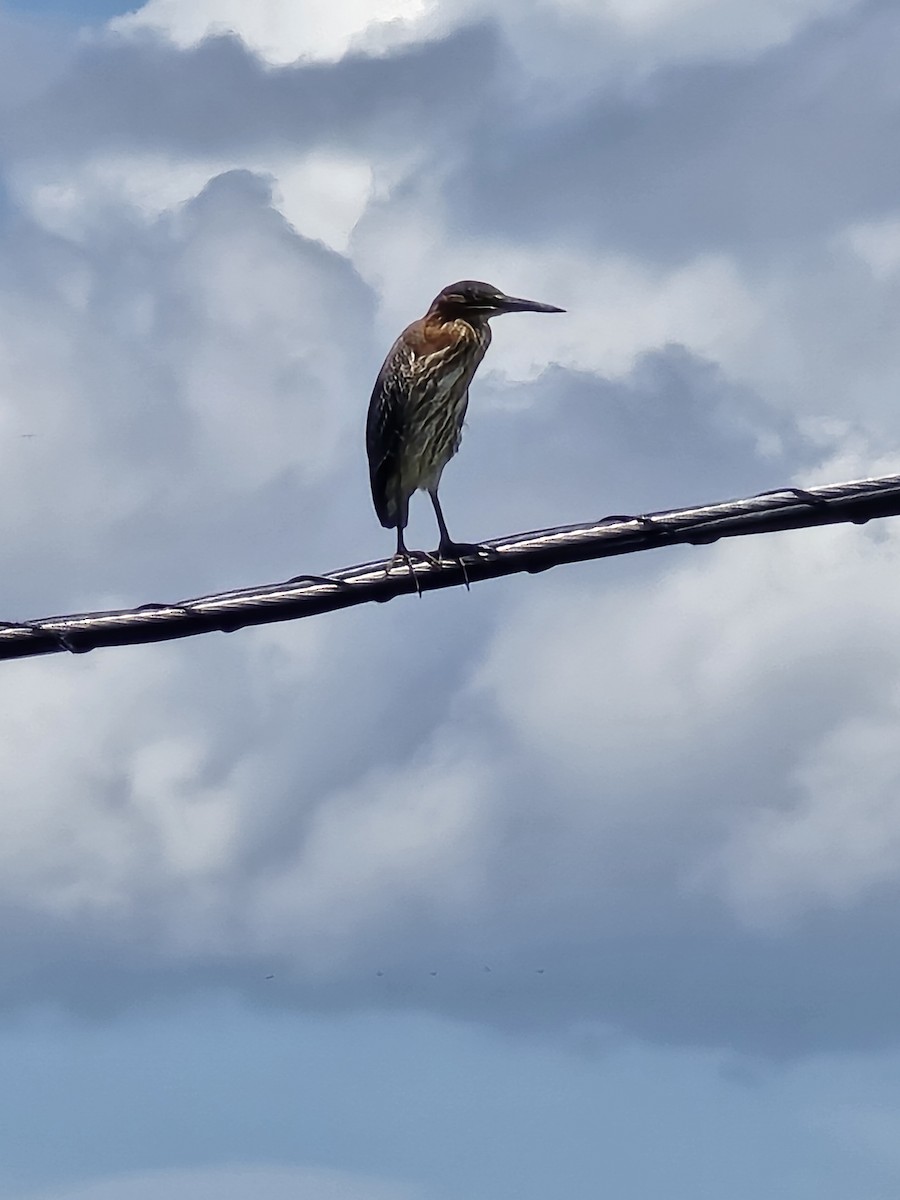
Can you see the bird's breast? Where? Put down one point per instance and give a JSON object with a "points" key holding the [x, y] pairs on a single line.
{"points": [[443, 362]]}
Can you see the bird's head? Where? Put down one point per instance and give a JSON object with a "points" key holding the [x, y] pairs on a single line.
{"points": [[480, 301]]}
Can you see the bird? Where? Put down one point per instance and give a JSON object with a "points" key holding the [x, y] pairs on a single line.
{"points": [[419, 401]]}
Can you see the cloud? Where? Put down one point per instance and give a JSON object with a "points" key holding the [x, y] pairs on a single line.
{"points": [[746, 157], [739, 675], [151, 357], [142, 94], [666, 781], [235, 1183], [633, 37], [33, 55], [276, 29]]}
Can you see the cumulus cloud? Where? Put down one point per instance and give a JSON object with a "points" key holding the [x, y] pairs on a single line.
{"points": [[665, 781], [277, 29], [631, 37]]}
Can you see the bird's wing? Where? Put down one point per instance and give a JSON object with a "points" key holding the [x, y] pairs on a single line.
{"points": [[385, 431]]}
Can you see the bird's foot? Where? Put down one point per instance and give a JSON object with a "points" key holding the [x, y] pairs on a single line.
{"points": [[406, 558], [455, 552], [449, 551]]}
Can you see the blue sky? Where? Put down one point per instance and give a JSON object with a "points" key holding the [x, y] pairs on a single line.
{"points": [[446, 1109], [582, 884], [88, 12]]}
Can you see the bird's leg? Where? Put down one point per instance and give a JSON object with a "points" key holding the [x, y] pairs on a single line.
{"points": [[404, 557], [451, 551]]}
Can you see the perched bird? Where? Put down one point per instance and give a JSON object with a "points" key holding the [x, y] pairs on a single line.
{"points": [[419, 402]]}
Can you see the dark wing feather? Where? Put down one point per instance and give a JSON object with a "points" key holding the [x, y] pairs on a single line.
{"points": [[385, 432]]}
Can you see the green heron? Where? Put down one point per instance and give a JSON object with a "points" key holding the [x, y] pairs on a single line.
{"points": [[419, 402]]}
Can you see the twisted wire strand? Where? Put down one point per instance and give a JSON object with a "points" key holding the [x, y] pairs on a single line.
{"points": [[856, 501]]}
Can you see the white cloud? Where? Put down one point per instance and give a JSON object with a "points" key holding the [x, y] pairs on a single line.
{"points": [[533, 765], [225, 308], [235, 1183], [279, 30], [400, 844], [608, 752], [837, 840], [617, 307], [557, 39], [106, 811], [322, 194], [877, 243], [759, 649], [711, 27]]}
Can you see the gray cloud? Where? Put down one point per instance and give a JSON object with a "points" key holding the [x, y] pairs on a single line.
{"points": [[141, 93], [755, 157], [639, 778]]}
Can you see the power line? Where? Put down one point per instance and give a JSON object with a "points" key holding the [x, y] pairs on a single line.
{"points": [[307, 595]]}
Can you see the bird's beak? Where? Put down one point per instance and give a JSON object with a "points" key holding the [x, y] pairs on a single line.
{"points": [[515, 304]]}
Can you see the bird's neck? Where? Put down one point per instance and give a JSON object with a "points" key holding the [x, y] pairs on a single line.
{"points": [[440, 314]]}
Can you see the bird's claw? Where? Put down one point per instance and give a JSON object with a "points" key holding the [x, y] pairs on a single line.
{"points": [[457, 551], [406, 558]]}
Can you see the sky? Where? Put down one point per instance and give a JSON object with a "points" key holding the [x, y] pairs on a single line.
{"points": [[581, 884]]}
